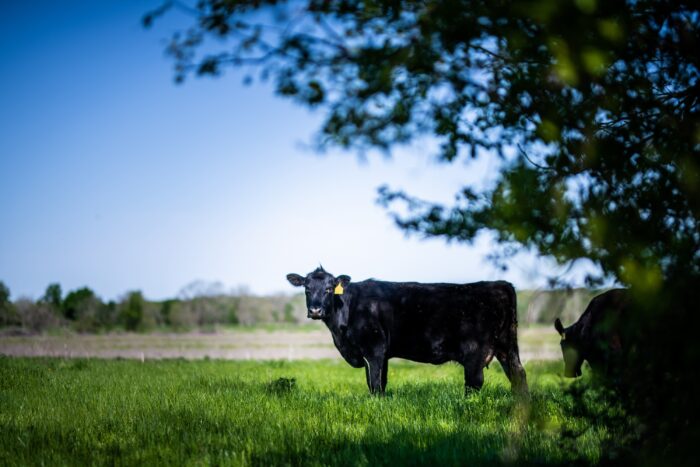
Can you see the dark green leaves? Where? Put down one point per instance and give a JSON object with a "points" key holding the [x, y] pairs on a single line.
{"points": [[602, 93]]}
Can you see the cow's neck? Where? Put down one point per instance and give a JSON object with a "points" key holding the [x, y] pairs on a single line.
{"points": [[337, 321]]}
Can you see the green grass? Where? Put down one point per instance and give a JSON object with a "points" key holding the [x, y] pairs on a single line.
{"points": [[58, 412]]}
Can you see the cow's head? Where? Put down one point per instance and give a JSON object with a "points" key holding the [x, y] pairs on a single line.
{"points": [[320, 287], [571, 349]]}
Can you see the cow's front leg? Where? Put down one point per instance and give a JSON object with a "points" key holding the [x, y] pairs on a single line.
{"points": [[374, 370], [385, 372], [473, 375]]}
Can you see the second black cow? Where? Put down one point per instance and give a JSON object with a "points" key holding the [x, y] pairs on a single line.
{"points": [[372, 321], [595, 337]]}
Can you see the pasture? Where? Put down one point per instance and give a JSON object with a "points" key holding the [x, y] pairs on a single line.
{"points": [[57, 411]]}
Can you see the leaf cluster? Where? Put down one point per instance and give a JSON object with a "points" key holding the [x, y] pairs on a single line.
{"points": [[592, 107]]}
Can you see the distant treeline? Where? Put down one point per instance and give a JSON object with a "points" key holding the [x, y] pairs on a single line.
{"points": [[203, 305], [199, 305]]}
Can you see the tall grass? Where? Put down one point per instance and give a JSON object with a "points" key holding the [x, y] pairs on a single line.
{"points": [[55, 411]]}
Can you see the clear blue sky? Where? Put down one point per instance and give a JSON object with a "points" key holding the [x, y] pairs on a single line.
{"points": [[116, 178]]}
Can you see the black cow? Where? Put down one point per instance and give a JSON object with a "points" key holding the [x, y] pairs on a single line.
{"points": [[594, 336], [373, 321]]}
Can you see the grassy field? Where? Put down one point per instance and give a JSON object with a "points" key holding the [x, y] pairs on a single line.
{"points": [[89, 411]]}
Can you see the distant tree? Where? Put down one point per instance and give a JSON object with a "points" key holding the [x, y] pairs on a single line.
{"points": [[180, 317], [107, 315], [76, 301], [4, 294], [591, 110], [232, 315], [82, 307], [132, 310], [53, 296], [206, 303], [36, 316], [200, 288], [166, 311], [289, 313], [8, 314]]}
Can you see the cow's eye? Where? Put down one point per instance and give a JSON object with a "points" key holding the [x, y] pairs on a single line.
{"points": [[329, 290]]}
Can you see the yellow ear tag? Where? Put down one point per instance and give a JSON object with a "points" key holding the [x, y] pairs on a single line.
{"points": [[338, 289]]}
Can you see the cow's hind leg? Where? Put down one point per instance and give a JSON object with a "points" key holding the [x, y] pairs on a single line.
{"points": [[510, 361]]}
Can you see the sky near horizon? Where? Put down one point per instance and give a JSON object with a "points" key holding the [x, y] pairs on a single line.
{"points": [[114, 177]]}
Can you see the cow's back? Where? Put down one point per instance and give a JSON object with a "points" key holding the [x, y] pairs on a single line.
{"points": [[598, 327], [598, 320], [440, 322]]}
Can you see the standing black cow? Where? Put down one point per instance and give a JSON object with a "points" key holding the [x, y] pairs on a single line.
{"points": [[594, 337], [373, 321]]}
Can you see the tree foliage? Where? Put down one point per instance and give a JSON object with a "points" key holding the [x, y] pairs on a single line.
{"points": [[200, 305], [590, 106], [8, 314], [53, 296], [77, 303], [82, 307], [132, 311], [4, 294]]}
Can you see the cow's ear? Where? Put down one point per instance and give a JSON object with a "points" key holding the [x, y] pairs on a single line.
{"points": [[342, 280], [559, 327], [296, 280]]}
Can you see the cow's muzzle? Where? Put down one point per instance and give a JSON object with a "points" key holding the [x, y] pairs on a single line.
{"points": [[315, 313]]}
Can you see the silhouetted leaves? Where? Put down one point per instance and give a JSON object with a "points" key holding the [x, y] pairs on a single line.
{"points": [[593, 106]]}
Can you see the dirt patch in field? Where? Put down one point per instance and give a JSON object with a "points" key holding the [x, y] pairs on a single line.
{"points": [[535, 344]]}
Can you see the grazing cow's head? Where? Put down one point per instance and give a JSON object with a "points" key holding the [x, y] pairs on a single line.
{"points": [[320, 288], [571, 349]]}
